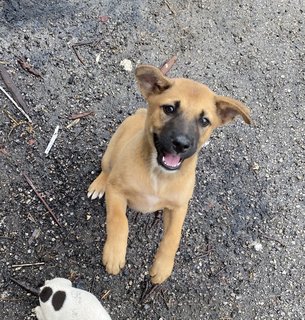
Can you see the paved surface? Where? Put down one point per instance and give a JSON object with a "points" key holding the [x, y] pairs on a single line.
{"points": [[242, 251]]}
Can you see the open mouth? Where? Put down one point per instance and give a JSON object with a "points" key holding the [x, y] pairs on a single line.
{"points": [[171, 161], [168, 160]]}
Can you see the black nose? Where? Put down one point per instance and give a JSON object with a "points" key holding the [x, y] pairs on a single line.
{"points": [[181, 143]]}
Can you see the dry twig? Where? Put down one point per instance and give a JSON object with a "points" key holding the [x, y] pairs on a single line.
{"points": [[24, 265], [87, 43], [74, 122], [17, 97], [25, 286], [272, 239], [165, 68], [204, 254], [52, 141], [77, 55], [105, 295], [16, 123], [81, 115], [11, 299], [219, 271], [27, 67], [16, 105], [150, 292], [163, 297], [170, 7], [41, 199]]}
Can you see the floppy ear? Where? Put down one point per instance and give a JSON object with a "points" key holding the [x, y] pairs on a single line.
{"points": [[151, 80], [228, 109]]}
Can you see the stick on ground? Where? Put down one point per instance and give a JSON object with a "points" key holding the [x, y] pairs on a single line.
{"points": [[52, 141], [81, 115], [12, 88], [170, 7], [77, 55], [25, 265], [27, 67], [165, 68], [25, 287], [15, 104], [29, 181], [93, 43]]}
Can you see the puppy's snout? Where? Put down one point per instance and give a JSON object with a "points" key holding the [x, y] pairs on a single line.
{"points": [[181, 143]]}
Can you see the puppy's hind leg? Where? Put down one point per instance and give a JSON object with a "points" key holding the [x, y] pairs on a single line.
{"points": [[97, 187]]}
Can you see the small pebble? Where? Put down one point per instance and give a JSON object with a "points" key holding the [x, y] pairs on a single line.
{"points": [[126, 64]]}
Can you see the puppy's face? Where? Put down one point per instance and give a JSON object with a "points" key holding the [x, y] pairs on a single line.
{"points": [[182, 115]]}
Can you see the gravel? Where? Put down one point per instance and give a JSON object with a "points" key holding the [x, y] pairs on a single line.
{"points": [[242, 250]]}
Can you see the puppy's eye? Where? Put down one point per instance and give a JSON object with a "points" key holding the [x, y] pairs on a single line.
{"points": [[169, 109], [204, 121]]}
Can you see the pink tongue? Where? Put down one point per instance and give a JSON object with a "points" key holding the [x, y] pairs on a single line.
{"points": [[171, 160]]}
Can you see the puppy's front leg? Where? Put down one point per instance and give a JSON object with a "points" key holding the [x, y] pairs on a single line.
{"points": [[117, 231], [165, 256]]}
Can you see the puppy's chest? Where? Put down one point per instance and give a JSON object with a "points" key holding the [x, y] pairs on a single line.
{"points": [[151, 193], [145, 202], [150, 199]]}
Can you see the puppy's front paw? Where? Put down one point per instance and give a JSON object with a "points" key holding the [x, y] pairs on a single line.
{"points": [[97, 187], [161, 268], [114, 256]]}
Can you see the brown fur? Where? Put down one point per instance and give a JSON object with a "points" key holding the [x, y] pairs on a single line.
{"points": [[132, 177]]}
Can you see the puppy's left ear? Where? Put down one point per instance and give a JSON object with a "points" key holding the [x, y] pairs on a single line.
{"points": [[228, 109], [151, 80]]}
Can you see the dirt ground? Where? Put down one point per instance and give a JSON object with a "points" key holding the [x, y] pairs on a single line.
{"points": [[242, 251]]}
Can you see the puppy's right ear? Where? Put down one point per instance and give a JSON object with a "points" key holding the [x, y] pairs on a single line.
{"points": [[151, 80]]}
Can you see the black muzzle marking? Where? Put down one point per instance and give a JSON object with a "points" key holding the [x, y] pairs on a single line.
{"points": [[177, 141]]}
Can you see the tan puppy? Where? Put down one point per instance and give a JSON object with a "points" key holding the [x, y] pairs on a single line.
{"points": [[151, 159]]}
